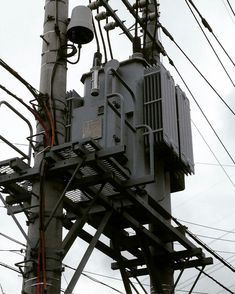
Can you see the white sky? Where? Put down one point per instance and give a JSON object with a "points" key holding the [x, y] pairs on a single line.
{"points": [[209, 198]]}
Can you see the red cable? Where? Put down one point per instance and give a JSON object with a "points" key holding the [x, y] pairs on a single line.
{"points": [[39, 272], [51, 122]]}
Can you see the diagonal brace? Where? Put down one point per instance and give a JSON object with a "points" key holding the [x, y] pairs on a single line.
{"points": [[88, 253], [78, 225]]}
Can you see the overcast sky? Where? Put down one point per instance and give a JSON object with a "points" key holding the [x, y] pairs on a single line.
{"points": [[209, 197]]}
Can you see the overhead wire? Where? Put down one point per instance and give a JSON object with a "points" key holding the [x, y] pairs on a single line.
{"points": [[215, 280], [221, 291], [12, 239], [207, 227], [230, 6], [201, 110], [206, 25], [9, 267], [214, 164], [85, 274], [214, 238], [102, 283], [213, 153], [166, 32], [227, 9], [209, 42], [40, 98], [32, 90], [206, 247], [33, 111]]}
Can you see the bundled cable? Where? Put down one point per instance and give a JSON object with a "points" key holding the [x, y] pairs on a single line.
{"points": [[42, 107]]}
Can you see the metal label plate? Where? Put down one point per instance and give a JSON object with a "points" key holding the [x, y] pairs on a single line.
{"points": [[92, 128]]}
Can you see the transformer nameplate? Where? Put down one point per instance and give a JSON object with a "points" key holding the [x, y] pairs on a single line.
{"points": [[92, 128]]}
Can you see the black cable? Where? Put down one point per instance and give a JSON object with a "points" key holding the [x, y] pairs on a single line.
{"points": [[102, 283], [34, 112], [230, 6], [207, 227], [102, 39], [96, 36], [213, 153], [9, 267], [78, 57], [215, 238], [145, 28], [108, 39], [166, 32], [155, 28], [215, 280], [206, 25], [221, 142], [228, 11], [136, 22], [214, 164], [32, 90], [193, 277], [217, 56]]}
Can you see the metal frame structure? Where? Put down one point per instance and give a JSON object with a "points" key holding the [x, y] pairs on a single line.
{"points": [[93, 187], [96, 193]]}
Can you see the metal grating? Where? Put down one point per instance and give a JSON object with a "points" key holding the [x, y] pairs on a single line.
{"points": [[111, 167], [76, 196], [185, 133], [160, 107]]}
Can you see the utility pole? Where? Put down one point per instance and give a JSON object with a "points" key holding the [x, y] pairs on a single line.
{"points": [[162, 274], [43, 261]]}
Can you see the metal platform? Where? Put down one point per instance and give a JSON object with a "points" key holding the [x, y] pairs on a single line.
{"points": [[98, 195]]}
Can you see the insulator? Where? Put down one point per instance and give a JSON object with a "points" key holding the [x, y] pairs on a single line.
{"points": [[152, 16], [102, 15], [94, 5], [110, 26], [141, 4]]}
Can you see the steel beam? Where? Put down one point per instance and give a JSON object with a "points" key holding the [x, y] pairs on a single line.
{"points": [[88, 253]]}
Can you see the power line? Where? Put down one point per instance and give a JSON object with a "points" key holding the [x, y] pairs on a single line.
{"points": [[166, 32], [222, 290], [102, 283], [85, 273], [212, 271], [213, 49], [214, 164], [17, 144], [215, 238], [203, 113], [227, 252], [9, 267], [228, 12], [224, 170], [206, 25], [186, 291], [230, 6], [206, 247], [215, 280], [12, 239], [208, 227]]}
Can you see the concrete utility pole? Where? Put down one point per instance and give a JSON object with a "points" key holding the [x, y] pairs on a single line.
{"points": [[43, 263], [162, 277]]}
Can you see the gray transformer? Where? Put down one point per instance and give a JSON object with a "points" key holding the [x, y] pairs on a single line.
{"points": [[136, 108]]}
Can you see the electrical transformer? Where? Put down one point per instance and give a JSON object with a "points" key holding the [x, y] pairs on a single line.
{"points": [[137, 108]]}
